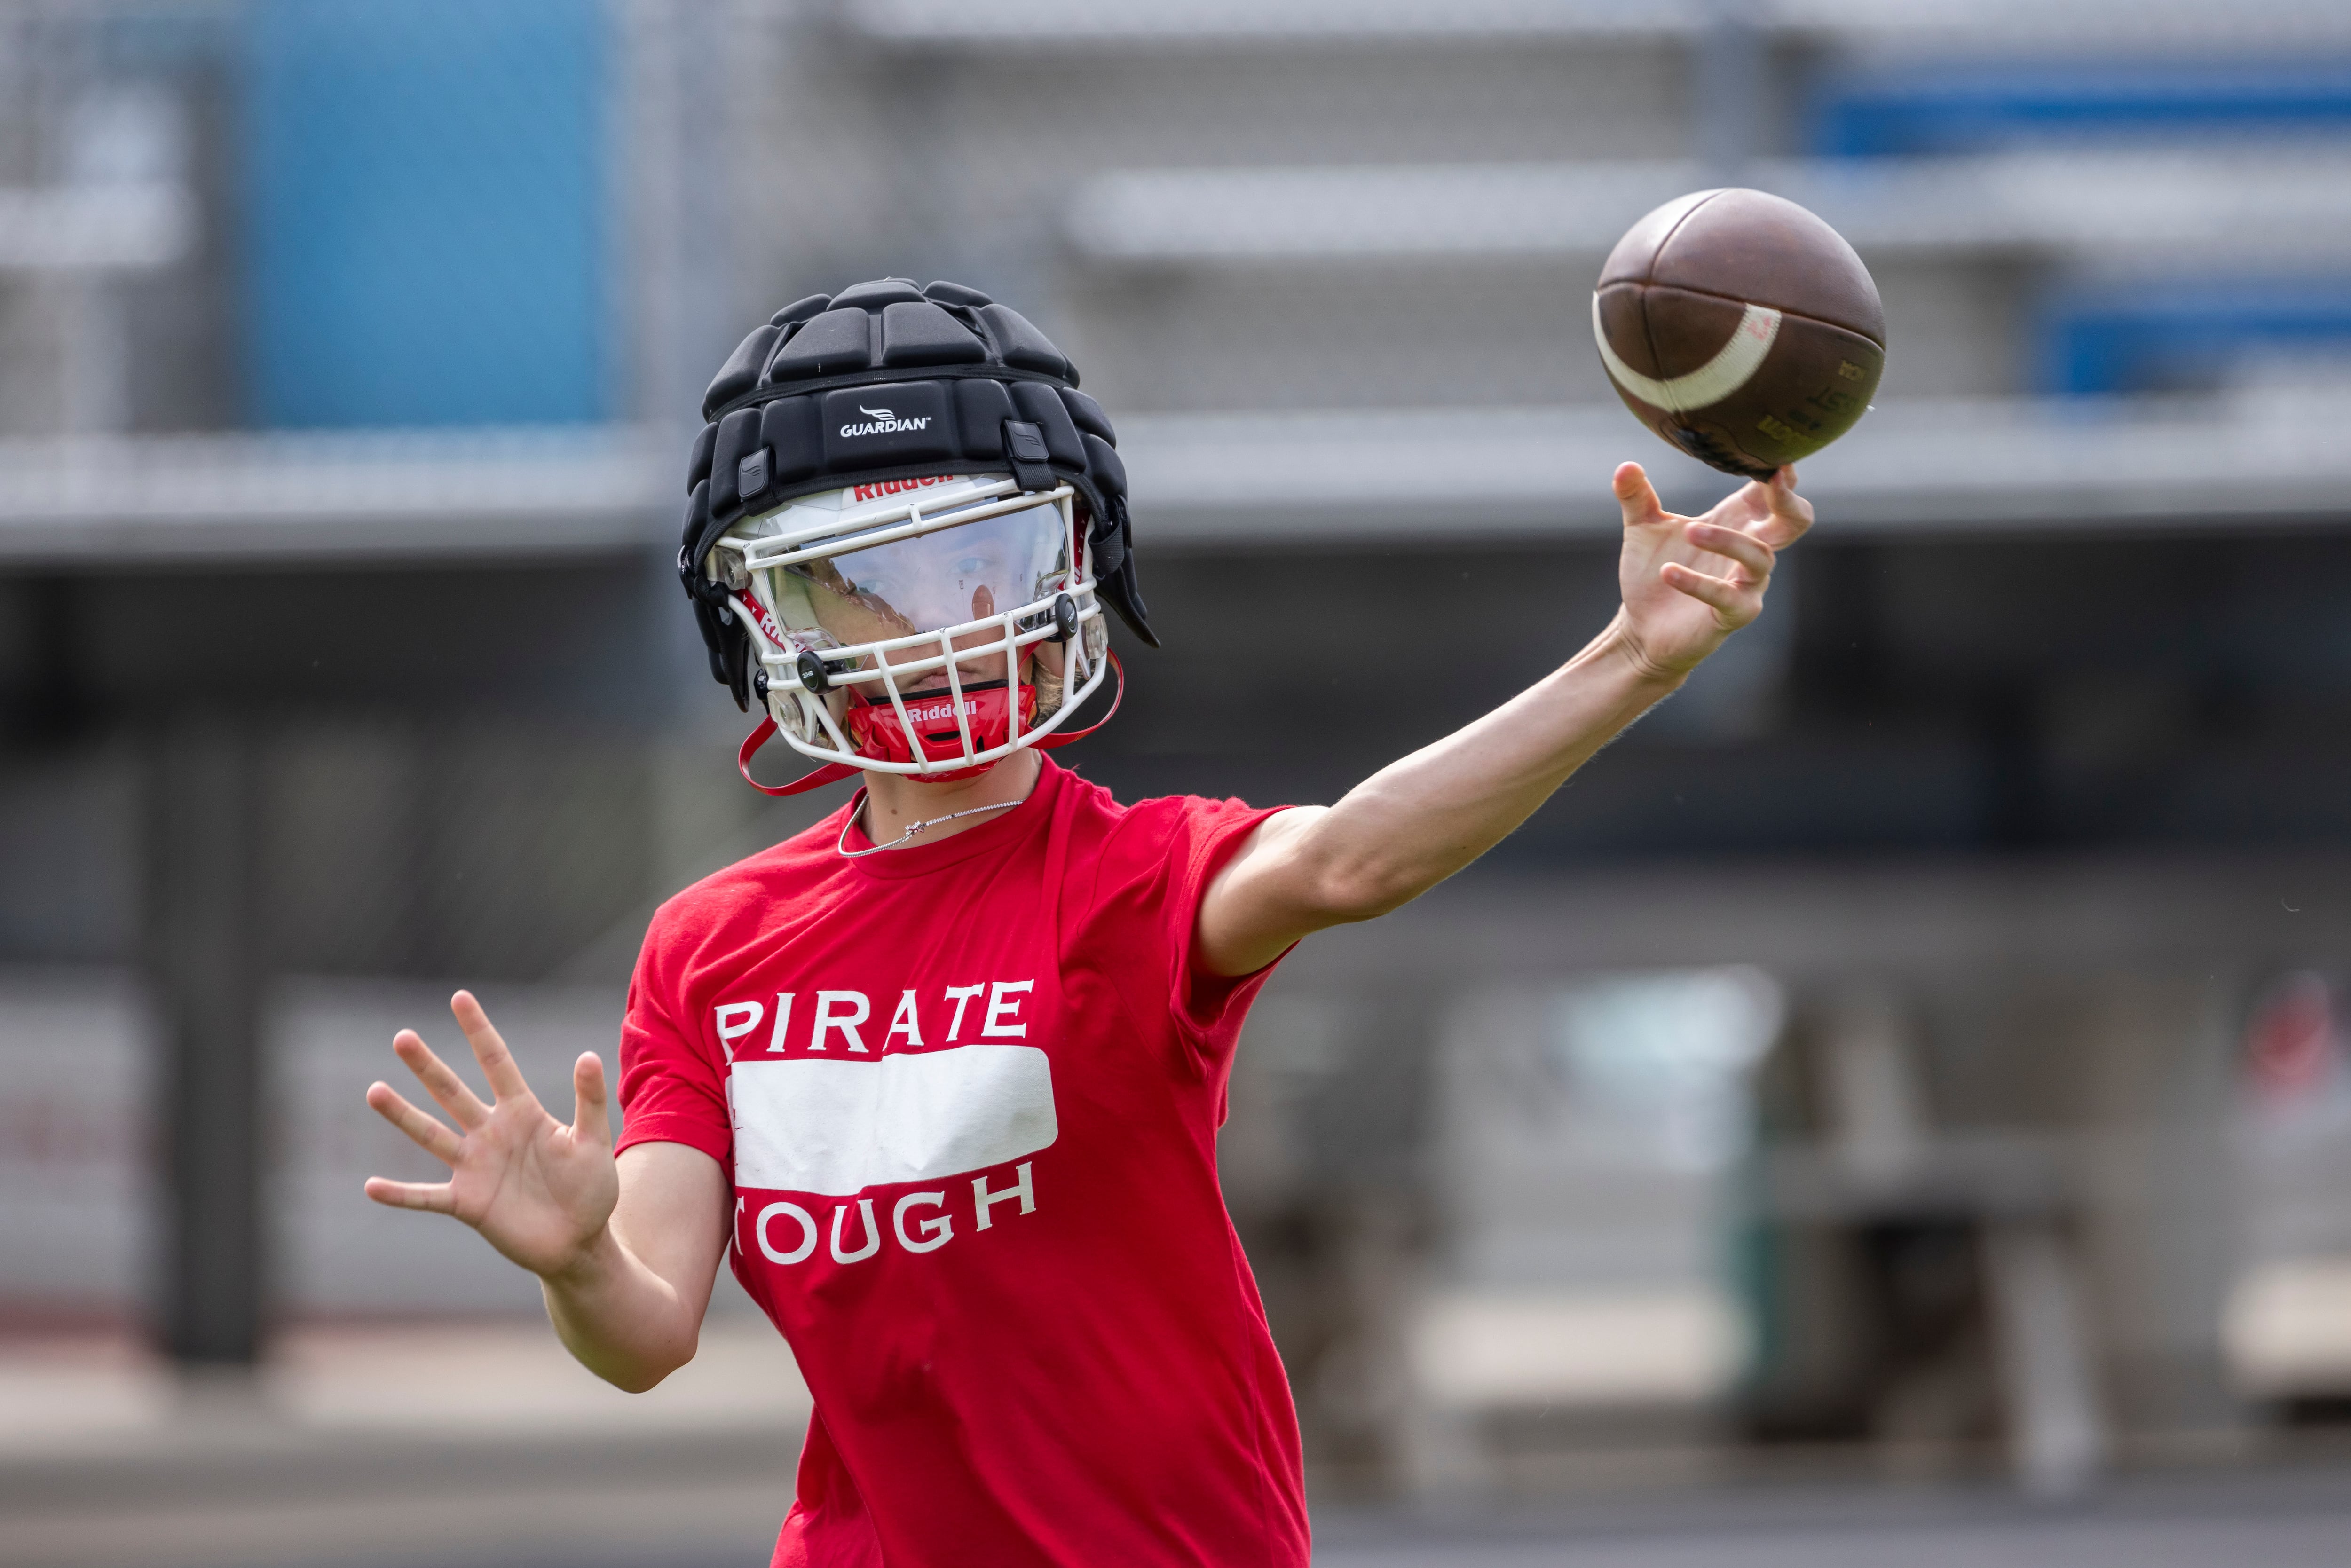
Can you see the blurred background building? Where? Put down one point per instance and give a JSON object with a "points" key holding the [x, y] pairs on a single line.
{"points": [[1917, 1049]]}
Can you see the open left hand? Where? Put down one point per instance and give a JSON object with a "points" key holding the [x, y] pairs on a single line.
{"points": [[538, 1190], [1690, 582]]}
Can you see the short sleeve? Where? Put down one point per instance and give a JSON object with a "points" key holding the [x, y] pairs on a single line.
{"points": [[671, 1090], [1153, 873]]}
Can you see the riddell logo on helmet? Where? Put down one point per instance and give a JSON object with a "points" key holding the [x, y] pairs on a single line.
{"points": [[938, 712], [884, 422], [896, 486], [759, 613]]}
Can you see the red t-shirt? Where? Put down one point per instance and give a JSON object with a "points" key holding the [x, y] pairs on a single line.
{"points": [[968, 1095]]}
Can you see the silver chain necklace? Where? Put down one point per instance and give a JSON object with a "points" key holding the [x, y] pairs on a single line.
{"points": [[857, 813]]}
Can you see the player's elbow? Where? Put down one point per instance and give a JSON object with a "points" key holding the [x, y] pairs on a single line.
{"points": [[1358, 889], [1328, 873], [639, 1379], [643, 1374], [636, 1368]]}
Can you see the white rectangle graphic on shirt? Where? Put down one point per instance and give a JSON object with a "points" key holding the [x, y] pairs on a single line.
{"points": [[838, 1128]]}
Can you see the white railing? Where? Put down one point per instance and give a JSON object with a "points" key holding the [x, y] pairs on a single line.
{"points": [[2222, 203]]}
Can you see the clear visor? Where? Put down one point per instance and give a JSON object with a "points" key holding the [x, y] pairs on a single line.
{"points": [[968, 572]]}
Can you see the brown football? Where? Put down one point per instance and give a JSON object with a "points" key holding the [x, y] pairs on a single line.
{"points": [[1740, 327]]}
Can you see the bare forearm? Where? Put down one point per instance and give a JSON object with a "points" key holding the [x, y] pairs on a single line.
{"points": [[1421, 819], [1413, 824], [629, 1307], [619, 1319]]}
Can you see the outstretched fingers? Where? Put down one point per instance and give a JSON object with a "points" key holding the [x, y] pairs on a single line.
{"points": [[1741, 546], [591, 1120], [432, 1198], [424, 1131], [1736, 603], [1790, 515], [449, 1092], [1636, 496], [489, 1049]]}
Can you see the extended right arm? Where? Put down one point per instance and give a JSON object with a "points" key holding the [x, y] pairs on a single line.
{"points": [[626, 1251]]}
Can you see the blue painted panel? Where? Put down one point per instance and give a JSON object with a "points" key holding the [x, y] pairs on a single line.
{"points": [[425, 223], [2181, 336], [1963, 108]]}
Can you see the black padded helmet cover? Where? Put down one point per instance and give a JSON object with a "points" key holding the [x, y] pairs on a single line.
{"points": [[886, 381]]}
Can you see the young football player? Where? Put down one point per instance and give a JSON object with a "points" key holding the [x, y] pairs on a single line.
{"points": [[942, 1075]]}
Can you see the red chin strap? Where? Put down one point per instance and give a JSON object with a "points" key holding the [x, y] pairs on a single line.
{"points": [[877, 727]]}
